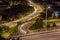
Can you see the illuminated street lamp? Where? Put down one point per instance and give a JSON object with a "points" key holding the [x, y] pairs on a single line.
{"points": [[46, 13]]}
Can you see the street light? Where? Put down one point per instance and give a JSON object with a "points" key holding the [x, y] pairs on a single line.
{"points": [[46, 13]]}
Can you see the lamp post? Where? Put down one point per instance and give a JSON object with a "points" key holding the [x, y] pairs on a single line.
{"points": [[46, 14]]}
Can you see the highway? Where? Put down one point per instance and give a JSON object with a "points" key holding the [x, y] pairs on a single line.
{"points": [[52, 20], [47, 35], [24, 27], [52, 35], [37, 10]]}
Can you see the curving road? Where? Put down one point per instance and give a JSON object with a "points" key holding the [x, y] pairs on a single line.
{"points": [[24, 27], [37, 10]]}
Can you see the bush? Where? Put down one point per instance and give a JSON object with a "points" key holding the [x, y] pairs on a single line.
{"points": [[54, 25], [37, 25], [48, 26]]}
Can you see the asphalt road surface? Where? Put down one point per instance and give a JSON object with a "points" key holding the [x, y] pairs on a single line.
{"points": [[24, 28], [43, 36], [37, 11]]}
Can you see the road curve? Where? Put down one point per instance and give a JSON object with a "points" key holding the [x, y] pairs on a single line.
{"points": [[37, 10], [25, 18], [24, 27]]}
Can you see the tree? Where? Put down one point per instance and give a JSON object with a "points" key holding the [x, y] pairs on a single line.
{"points": [[54, 25], [0, 29], [53, 15], [39, 24], [24, 1], [59, 15], [43, 15], [49, 13], [48, 26]]}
